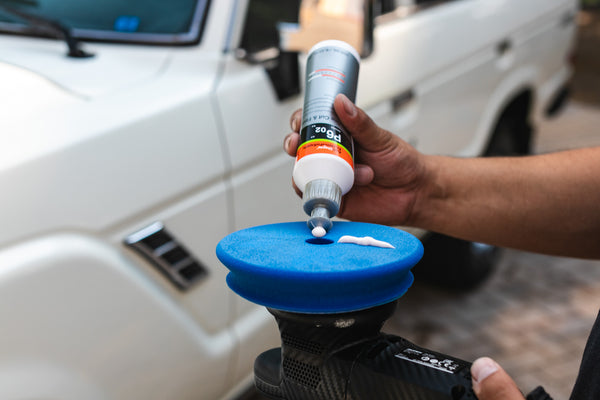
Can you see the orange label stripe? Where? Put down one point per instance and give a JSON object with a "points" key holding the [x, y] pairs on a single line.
{"points": [[324, 146], [323, 71], [332, 76], [330, 70]]}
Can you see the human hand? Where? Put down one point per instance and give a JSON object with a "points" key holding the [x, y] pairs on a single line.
{"points": [[491, 382], [388, 172]]}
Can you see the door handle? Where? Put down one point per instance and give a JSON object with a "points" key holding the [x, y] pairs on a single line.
{"points": [[503, 47], [402, 100], [567, 19]]}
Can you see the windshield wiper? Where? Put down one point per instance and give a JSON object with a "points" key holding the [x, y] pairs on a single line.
{"points": [[54, 26]]}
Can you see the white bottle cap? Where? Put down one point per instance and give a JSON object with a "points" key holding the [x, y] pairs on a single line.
{"points": [[336, 43]]}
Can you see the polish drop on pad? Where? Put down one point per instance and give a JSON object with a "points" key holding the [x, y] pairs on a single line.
{"points": [[318, 231]]}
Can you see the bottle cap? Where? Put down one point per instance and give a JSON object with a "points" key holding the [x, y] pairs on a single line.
{"points": [[321, 199]]}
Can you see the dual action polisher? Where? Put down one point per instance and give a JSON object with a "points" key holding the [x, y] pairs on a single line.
{"points": [[330, 301]]}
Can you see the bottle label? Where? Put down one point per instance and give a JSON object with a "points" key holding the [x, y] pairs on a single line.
{"points": [[329, 70], [325, 139]]}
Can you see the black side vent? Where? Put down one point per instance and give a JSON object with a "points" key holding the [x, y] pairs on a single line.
{"points": [[304, 374], [301, 344], [157, 245]]}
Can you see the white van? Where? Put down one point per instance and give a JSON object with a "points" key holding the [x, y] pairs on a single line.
{"points": [[123, 164]]}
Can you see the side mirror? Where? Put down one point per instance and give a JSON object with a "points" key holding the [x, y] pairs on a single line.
{"points": [[347, 20], [274, 44]]}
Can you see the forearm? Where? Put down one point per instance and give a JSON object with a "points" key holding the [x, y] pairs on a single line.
{"points": [[548, 203]]}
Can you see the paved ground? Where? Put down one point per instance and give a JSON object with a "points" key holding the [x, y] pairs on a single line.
{"points": [[587, 60], [534, 315]]}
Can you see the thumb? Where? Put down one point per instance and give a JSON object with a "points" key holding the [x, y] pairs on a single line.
{"points": [[491, 382], [364, 131]]}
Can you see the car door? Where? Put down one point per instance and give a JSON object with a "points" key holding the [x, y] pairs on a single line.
{"points": [[433, 74], [459, 62], [255, 117]]}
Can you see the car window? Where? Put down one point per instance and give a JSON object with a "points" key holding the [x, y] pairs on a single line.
{"points": [[147, 21], [394, 9], [260, 26]]}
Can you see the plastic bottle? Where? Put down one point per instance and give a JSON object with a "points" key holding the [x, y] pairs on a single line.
{"points": [[324, 168]]}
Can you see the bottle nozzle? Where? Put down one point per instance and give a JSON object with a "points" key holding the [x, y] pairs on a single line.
{"points": [[319, 222], [322, 202]]}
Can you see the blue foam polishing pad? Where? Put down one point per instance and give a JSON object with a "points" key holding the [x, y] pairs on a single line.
{"points": [[282, 266]]}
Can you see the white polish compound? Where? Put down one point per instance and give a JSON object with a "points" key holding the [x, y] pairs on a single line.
{"points": [[365, 241], [318, 231]]}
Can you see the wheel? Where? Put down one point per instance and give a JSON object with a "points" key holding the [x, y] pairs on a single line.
{"points": [[511, 137], [456, 264]]}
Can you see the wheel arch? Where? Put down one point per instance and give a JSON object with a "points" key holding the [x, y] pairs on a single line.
{"points": [[517, 111], [515, 94]]}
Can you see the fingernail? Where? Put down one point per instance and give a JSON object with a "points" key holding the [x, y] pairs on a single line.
{"points": [[349, 106], [286, 143], [295, 124], [482, 368]]}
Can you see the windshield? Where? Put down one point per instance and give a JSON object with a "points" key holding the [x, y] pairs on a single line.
{"points": [[132, 21]]}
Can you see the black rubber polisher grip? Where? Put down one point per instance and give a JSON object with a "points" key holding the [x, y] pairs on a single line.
{"points": [[345, 356]]}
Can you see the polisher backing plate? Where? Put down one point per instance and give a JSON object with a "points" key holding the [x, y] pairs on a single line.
{"points": [[282, 266]]}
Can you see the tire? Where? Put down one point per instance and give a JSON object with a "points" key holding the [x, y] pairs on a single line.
{"points": [[511, 137], [460, 265], [456, 264]]}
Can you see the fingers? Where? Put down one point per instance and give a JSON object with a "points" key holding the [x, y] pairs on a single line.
{"points": [[366, 133], [290, 143], [298, 192], [296, 120], [363, 174], [491, 382]]}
